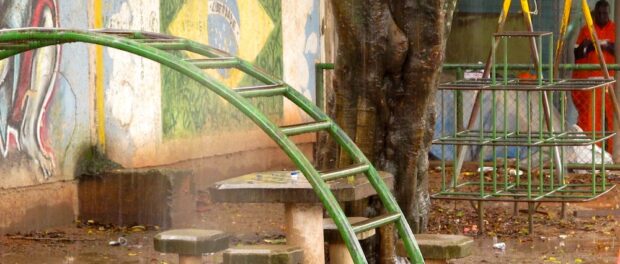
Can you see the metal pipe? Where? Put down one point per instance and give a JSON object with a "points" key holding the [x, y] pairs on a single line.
{"points": [[561, 40], [320, 83], [616, 146], [525, 66]]}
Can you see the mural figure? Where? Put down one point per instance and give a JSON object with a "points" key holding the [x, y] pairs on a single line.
{"points": [[27, 83]]}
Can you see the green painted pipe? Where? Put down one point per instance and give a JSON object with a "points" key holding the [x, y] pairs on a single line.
{"points": [[473, 66]]}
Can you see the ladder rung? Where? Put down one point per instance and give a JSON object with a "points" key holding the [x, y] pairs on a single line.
{"points": [[26, 44], [341, 173], [136, 35], [376, 222], [9, 46], [167, 45], [305, 128], [156, 40], [215, 63], [262, 90]]}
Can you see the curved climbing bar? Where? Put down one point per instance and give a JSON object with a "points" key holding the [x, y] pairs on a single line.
{"points": [[156, 47]]}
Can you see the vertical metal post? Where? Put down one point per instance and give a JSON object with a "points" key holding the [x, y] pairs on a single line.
{"points": [[594, 121], [542, 96], [616, 128], [481, 217], [530, 217], [494, 122], [320, 83], [505, 113], [319, 87], [443, 147]]}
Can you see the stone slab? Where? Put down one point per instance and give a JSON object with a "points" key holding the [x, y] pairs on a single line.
{"points": [[280, 187], [440, 247], [163, 197], [193, 242], [332, 234], [597, 213], [264, 254]]}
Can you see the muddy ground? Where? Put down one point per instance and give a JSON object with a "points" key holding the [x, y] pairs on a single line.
{"points": [[554, 240]]}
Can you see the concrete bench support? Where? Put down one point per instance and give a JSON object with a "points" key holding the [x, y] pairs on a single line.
{"points": [[304, 229], [264, 254], [190, 244], [438, 248], [338, 252]]}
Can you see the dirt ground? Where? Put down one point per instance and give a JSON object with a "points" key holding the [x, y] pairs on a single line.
{"points": [[554, 240]]}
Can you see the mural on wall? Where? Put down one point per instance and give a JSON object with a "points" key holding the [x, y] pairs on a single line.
{"points": [[27, 82], [249, 29]]}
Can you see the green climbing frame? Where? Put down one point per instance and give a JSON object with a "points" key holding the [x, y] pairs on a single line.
{"points": [[537, 172], [158, 47]]}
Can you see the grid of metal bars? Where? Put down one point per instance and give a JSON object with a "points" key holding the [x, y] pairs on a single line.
{"points": [[522, 143]]}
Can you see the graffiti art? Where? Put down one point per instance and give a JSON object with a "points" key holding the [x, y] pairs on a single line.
{"points": [[249, 29], [27, 82]]}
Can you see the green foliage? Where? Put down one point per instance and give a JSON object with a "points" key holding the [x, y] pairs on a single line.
{"points": [[93, 162]]}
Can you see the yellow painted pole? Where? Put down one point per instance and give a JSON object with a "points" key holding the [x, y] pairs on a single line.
{"points": [[500, 28], [475, 110], [525, 7], [563, 28], [594, 37], [99, 84]]}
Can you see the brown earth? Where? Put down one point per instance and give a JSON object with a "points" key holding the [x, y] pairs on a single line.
{"points": [[555, 240]]}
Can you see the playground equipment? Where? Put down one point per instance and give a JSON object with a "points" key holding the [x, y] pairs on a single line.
{"points": [[536, 129], [158, 47]]}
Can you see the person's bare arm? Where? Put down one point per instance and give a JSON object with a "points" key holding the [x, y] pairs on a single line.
{"points": [[583, 49]]}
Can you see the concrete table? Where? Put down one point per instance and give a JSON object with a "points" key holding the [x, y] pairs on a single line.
{"points": [[190, 244], [303, 210]]}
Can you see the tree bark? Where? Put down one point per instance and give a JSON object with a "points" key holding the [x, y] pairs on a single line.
{"points": [[389, 60]]}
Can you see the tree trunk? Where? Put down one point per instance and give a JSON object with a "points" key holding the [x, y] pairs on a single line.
{"points": [[389, 60]]}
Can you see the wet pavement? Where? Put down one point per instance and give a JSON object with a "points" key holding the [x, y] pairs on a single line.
{"points": [[90, 245], [589, 249], [80, 245]]}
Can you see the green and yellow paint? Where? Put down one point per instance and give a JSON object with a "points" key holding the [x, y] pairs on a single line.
{"points": [[249, 29]]}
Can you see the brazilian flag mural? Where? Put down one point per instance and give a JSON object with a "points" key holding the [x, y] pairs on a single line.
{"points": [[249, 29]]}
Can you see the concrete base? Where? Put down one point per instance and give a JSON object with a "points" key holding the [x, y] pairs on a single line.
{"points": [[190, 259], [439, 248], [338, 252], [163, 197], [37, 207], [264, 254], [304, 228]]}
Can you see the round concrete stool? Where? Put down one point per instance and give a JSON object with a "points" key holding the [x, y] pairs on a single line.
{"points": [[338, 252], [190, 244]]}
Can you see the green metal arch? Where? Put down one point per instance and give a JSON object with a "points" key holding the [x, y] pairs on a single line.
{"points": [[16, 41]]}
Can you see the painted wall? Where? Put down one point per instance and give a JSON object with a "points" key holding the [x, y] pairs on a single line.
{"points": [[188, 121], [153, 116], [44, 98]]}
